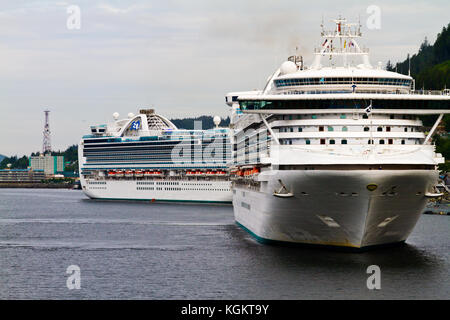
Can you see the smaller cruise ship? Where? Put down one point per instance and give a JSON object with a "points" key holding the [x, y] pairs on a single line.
{"points": [[146, 157]]}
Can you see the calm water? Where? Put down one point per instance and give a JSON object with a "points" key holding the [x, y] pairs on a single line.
{"points": [[175, 251]]}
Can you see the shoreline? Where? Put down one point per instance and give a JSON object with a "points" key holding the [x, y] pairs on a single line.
{"points": [[35, 185]]}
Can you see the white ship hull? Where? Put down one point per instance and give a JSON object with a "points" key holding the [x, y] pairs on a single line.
{"points": [[214, 191], [334, 207]]}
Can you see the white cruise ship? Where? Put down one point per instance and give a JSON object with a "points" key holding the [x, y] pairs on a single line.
{"points": [[145, 157], [334, 154]]}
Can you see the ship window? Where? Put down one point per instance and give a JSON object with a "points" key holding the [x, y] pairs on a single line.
{"points": [[300, 129], [390, 141], [313, 116], [308, 141], [322, 141], [321, 128], [406, 129], [344, 141], [365, 116], [379, 129], [332, 142], [388, 129], [330, 129], [344, 129], [370, 141], [403, 141], [343, 116], [291, 129], [366, 129], [382, 141], [392, 116]]}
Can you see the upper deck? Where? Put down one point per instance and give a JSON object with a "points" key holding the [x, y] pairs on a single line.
{"points": [[340, 77], [150, 141]]}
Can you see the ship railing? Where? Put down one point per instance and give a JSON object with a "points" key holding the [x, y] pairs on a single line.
{"points": [[338, 50], [400, 92], [445, 92]]}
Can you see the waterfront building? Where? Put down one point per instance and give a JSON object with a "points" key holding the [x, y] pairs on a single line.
{"points": [[21, 175], [50, 164]]}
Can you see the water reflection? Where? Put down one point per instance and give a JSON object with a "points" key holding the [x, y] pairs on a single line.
{"points": [[402, 256]]}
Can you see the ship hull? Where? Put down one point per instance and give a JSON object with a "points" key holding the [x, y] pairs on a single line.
{"points": [[334, 207], [158, 190]]}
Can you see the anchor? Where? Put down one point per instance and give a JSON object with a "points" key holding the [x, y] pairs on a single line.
{"points": [[283, 192]]}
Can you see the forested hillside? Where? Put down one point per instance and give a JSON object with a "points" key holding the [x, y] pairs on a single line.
{"points": [[430, 67]]}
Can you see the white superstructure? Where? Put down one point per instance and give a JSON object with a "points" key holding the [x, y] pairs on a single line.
{"points": [[334, 154], [145, 157]]}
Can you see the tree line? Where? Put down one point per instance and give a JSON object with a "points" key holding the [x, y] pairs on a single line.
{"points": [[430, 67]]}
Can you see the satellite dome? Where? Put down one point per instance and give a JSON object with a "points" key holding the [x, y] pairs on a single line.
{"points": [[131, 115], [217, 120], [116, 115], [288, 67]]}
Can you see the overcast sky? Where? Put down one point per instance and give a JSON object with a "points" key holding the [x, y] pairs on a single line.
{"points": [[179, 57]]}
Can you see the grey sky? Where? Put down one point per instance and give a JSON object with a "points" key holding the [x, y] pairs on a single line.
{"points": [[179, 57]]}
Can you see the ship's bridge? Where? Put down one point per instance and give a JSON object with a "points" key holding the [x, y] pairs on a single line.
{"points": [[342, 80]]}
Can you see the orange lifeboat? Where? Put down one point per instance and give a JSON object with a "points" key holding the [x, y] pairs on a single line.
{"points": [[128, 173], [139, 173], [148, 173], [119, 173]]}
